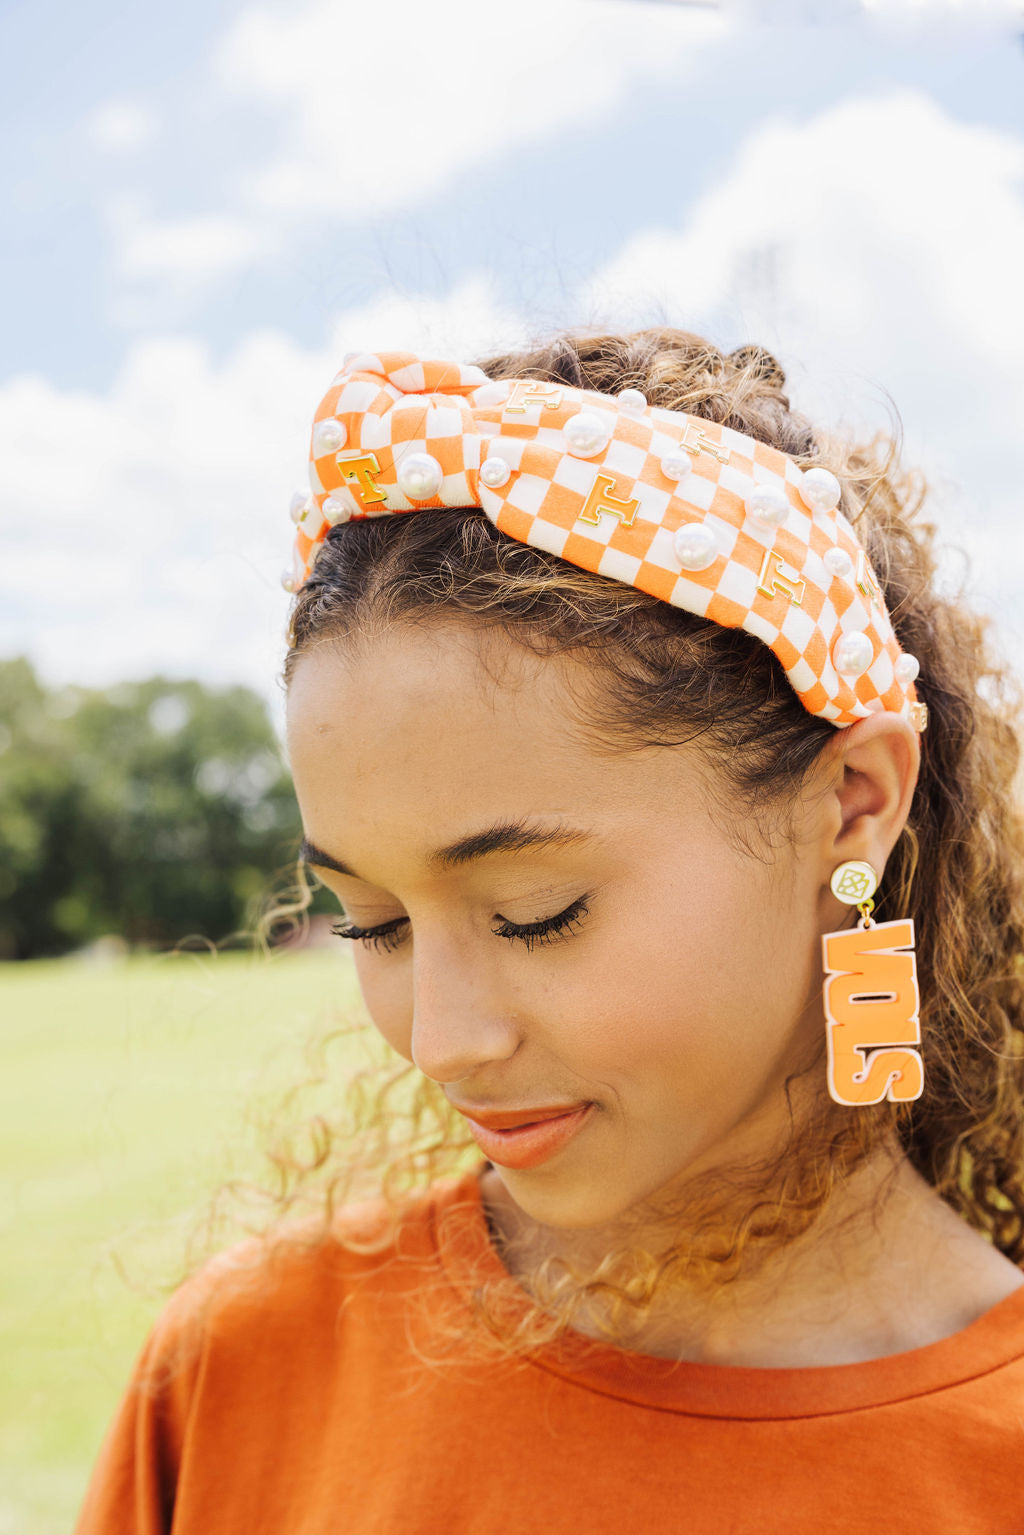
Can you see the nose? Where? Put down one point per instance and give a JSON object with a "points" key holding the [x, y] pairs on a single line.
{"points": [[463, 1017]]}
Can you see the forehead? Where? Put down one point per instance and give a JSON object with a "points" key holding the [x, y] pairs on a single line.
{"points": [[428, 733], [434, 707]]}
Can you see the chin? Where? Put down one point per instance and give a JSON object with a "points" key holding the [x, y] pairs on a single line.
{"points": [[571, 1204]]}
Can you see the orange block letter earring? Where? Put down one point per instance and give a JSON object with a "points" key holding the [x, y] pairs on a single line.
{"points": [[871, 1000]]}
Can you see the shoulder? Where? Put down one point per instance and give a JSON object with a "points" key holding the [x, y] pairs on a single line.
{"points": [[300, 1284], [269, 1339]]}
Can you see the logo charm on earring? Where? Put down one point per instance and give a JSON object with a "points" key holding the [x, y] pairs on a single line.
{"points": [[871, 1000]]}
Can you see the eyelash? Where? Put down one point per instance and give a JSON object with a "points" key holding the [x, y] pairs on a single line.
{"points": [[388, 935]]}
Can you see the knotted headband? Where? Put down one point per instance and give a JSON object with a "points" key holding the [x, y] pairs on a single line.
{"points": [[692, 512]]}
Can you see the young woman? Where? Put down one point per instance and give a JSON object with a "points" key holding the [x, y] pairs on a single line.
{"points": [[669, 806]]}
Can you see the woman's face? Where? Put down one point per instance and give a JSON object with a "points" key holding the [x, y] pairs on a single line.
{"points": [[678, 1000]]}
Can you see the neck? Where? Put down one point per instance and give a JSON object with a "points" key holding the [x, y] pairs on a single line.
{"points": [[887, 1267]]}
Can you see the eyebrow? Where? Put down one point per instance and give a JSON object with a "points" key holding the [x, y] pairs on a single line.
{"points": [[503, 837]]}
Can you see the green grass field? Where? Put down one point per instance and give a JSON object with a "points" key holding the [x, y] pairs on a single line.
{"points": [[130, 1092]]}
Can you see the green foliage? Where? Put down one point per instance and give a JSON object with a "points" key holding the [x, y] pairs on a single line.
{"points": [[155, 810], [131, 1091]]}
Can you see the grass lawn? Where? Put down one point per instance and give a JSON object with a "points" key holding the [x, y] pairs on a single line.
{"points": [[130, 1091]]}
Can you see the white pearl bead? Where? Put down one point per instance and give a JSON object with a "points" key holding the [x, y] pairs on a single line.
{"points": [[852, 654], [769, 504], [288, 581], [328, 437], [694, 546], [907, 669], [298, 506], [494, 471], [419, 476], [335, 511], [837, 562], [586, 434], [676, 464], [633, 402], [491, 394], [820, 491]]}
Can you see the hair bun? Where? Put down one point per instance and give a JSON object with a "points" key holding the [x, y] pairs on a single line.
{"points": [[761, 363]]}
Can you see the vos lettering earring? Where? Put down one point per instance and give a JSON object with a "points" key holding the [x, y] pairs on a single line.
{"points": [[871, 1000]]}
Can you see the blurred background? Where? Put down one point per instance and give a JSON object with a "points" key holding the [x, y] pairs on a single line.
{"points": [[205, 207]]}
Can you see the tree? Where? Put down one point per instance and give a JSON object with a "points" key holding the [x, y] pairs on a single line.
{"points": [[156, 810]]}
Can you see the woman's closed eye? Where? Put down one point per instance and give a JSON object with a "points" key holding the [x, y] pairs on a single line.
{"points": [[388, 935], [545, 929]]}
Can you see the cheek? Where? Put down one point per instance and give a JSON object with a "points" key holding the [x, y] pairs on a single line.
{"points": [[703, 994], [385, 982]]}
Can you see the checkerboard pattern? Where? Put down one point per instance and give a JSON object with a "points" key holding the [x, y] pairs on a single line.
{"points": [[770, 580]]}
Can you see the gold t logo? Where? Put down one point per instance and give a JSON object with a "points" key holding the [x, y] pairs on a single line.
{"points": [[361, 469], [866, 583], [777, 579], [527, 391], [694, 441], [601, 500]]}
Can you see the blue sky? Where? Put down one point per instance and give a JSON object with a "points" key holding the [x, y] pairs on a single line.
{"points": [[209, 205]]}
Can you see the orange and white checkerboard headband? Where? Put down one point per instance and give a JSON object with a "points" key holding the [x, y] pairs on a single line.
{"points": [[694, 513]]}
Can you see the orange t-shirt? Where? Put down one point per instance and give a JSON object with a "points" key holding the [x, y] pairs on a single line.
{"points": [[303, 1408]]}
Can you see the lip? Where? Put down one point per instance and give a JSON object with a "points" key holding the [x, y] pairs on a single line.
{"points": [[531, 1143], [513, 1119]]}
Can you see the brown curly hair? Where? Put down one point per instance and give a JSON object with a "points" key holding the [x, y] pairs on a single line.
{"points": [[665, 676]]}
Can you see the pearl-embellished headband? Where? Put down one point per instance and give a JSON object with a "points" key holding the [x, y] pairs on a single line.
{"points": [[692, 512]]}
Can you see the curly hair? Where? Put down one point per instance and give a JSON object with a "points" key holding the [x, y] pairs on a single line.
{"points": [[665, 676]]}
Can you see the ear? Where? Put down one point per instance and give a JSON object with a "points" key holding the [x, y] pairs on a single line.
{"points": [[873, 773]]}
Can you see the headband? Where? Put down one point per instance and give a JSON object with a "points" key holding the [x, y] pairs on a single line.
{"points": [[697, 514]]}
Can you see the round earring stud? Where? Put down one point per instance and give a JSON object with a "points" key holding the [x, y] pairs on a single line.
{"points": [[853, 882]]}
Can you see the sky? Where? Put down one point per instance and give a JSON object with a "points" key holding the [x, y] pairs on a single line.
{"points": [[208, 205]]}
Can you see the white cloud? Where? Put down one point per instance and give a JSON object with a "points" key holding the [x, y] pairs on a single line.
{"points": [[146, 529], [385, 104], [972, 15], [122, 126], [377, 108], [823, 224], [468, 322], [876, 247], [188, 252]]}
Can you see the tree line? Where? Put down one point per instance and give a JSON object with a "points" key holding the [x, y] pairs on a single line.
{"points": [[154, 810]]}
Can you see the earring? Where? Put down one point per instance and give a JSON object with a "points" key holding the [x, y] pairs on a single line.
{"points": [[871, 1000]]}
